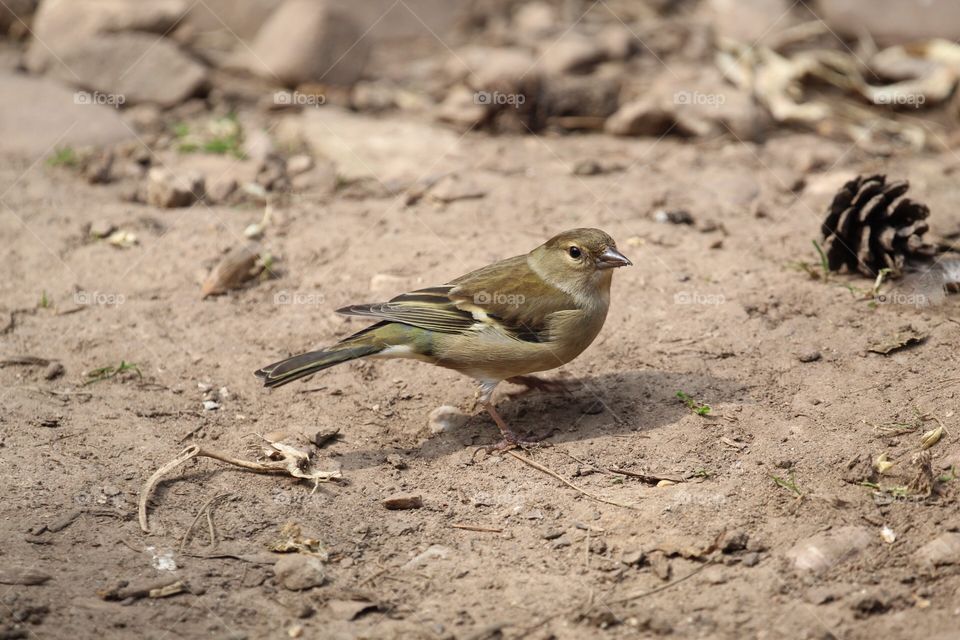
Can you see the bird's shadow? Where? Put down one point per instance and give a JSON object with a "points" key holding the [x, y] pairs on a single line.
{"points": [[609, 404]]}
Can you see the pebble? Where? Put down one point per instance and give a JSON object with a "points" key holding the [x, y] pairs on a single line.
{"points": [[809, 356], [298, 572], [445, 418], [403, 501]]}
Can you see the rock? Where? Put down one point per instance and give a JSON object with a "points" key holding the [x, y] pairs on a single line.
{"points": [[505, 81], [396, 461], [446, 418], [456, 187], [572, 53], [552, 534], [240, 265], [234, 18], [433, 552], [168, 190], [645, 118], [673, 216], [146, 118], [307, 41], [53, 371], [97, 168], [633, 558], [349, 609], [942, 550], [733, 541], [297, 572], [366, 147], [131, 68], [61, 25], [298, 164], [461, 109], [660, 564], [37, 115], [887, 20], [809, 356], [596, 95], [535, 20], [824, 550], [257, 145], [220, 190], [751, 559], [402, 502], [101, 228]]}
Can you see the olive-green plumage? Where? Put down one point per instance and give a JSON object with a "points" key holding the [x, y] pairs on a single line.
{"points": [[521, 315]]}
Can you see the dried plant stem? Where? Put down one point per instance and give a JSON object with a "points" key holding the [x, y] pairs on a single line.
{"points": [[554, 474], [194, 451]]}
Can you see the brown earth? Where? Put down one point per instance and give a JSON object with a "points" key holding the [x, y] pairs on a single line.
{"points": [[720, 314]]}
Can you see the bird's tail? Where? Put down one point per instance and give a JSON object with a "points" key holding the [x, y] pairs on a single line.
{"points": [[305, 364]]}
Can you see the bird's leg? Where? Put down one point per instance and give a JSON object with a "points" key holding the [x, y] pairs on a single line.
{"points": [[509, 439], [540, 384]]}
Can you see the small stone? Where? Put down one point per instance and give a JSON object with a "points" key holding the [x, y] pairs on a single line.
{"points": [[734, 541], [221, 189], [324, 437], [401, 502], [633, 558], [751, 559], [210, 405], [299, 164], [433, 552], [396, 461], [598, 546], [552, 534], [97, 169], [101, 229], [53, 371], [297, 572], [809, 356], [111, 491], [168, 190], [561, 542], [675, 216], [587, 168], [660, 564], [445, 418]]}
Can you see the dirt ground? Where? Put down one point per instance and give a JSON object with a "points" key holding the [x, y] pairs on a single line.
{"points": [[554, 562], [720, 310]]}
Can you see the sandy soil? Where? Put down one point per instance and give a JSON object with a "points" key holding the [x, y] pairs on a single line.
{"points": [[718, 310]]}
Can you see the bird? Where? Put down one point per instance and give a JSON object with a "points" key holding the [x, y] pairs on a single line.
{"points": [[503, 322]]}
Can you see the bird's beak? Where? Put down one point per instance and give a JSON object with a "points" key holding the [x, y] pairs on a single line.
{"points": [[611, 258]]}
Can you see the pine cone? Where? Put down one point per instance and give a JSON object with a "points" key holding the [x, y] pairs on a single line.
{"points": [[870, 226]]}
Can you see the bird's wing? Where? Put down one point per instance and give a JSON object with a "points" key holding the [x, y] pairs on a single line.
{"points": [[507, 294], [425, 308]]}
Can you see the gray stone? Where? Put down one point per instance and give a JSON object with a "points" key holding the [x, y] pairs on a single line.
{"points": [[39, 115], [61, 25], [307, 41], [132, 68], [298, 572], [168, 190], [364, 147]]}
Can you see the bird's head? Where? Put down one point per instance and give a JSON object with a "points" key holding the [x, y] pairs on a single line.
{"points": [[579, 259]]}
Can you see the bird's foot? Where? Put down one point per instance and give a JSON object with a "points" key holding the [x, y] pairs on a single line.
{"points": [[539, 384], [511, 441]]}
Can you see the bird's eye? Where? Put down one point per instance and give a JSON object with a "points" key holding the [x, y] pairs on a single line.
{"points": [[574, 252]]}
